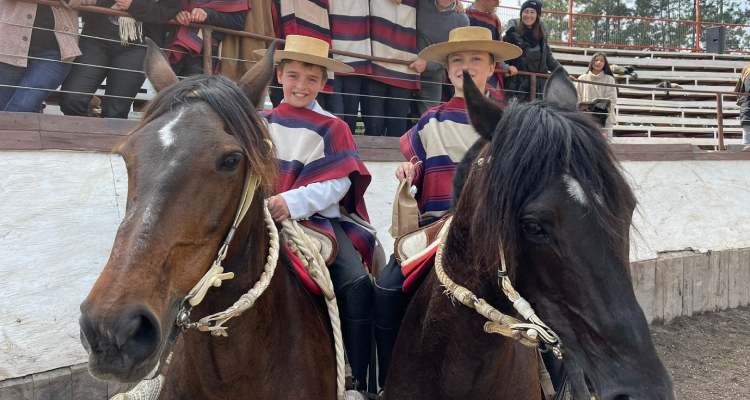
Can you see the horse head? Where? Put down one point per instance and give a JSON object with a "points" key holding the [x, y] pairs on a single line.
{"points": [[187, 164], [555, 204]]}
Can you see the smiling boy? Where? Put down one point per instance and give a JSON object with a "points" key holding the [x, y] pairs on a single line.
{"points": [[322, 183], [434, 146]]}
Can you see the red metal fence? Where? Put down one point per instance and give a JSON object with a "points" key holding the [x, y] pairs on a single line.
{"points": [[633, 32]]}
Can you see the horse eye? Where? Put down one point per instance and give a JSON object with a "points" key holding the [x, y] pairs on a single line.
{"points": [[231, 162], [531, 228]]}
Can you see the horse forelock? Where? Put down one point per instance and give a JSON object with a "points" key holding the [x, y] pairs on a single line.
{"points": [[234, 109], [536, 145]]}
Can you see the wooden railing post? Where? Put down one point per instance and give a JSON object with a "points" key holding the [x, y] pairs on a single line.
{"points": [[697, 26], [570, 23], [208, 65], [720, 119]]}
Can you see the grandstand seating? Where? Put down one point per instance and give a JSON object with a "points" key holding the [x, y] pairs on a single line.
{"points": [[654, 113]]}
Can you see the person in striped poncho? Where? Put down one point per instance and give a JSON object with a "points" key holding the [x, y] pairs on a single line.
{"points": [[321, 183], [484, 13], [434, 147]]}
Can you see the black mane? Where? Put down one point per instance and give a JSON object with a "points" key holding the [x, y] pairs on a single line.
{"points": [[533, 144]]}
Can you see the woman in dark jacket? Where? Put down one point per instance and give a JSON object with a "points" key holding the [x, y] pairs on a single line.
{"points": [[528, 34], [743, 86]]}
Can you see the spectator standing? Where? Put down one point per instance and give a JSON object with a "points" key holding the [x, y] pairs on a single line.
{"points": [[484, 13], [37, 44], [187, 57], [393, 35], [435, 19], [259, 20], [600, 72], [306, 18], [743, 86], [528, 34], [115, 42], [350, 31]]}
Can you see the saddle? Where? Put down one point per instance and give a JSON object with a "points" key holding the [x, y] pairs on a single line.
{"points": [[415, 251]]}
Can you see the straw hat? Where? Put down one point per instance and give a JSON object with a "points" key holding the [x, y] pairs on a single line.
{"points": [[308, 50], [469, 38]]}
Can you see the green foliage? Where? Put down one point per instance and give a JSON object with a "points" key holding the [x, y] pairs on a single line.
{"points": [[599, 29]]}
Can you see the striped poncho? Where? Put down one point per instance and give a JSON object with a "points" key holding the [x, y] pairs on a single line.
{"points": [[393, 33], [350, 31], [190, 39], [315, 146], [491, 22], [440, 139], [301, 17]]}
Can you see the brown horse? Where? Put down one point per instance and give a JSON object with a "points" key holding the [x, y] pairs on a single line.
{"points": [[187, 163], [543, 189]]}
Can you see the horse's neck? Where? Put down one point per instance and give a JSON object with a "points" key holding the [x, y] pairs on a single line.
{"points": [[205, 365]]}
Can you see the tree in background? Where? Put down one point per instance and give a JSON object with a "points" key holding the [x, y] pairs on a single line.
{"points": [[648, 33]]}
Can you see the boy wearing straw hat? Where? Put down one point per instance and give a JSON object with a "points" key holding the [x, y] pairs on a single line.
{"points": [[434, 146], [322, 183]]}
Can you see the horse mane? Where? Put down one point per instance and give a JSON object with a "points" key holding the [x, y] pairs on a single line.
{"points": [[231, 104], [533, 144]]}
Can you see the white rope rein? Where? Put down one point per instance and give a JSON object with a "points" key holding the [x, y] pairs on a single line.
{"points": [[311, 258], [529, 334]]}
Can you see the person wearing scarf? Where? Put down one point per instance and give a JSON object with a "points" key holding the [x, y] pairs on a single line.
{"points": [[113, 49], [186, 56], [322, 181], [528, 33]]}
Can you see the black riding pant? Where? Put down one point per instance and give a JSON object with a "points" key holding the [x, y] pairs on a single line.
{"points": [[354, 294]]}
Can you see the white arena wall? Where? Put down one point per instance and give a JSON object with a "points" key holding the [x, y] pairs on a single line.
{"points": [[59, 211]]}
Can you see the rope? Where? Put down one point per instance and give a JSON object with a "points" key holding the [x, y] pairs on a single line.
{"points": [[525, 333], [313, 261], [215, 323], [149, 389]]}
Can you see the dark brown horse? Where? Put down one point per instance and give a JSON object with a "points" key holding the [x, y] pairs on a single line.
{"points": [[548, 193], [187, 163]]}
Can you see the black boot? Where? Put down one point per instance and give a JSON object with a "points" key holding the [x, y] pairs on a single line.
{"points": [[390, 306], [355, 305]]}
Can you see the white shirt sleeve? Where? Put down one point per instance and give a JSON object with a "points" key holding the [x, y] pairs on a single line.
{"points": [[319, 197]]}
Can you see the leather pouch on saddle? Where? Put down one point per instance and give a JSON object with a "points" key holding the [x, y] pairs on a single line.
{"points": [[415, 251]]}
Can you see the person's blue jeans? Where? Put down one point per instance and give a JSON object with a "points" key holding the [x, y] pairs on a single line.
{"points": [[47, 73]]}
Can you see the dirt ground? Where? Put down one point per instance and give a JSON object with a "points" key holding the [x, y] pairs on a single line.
{"points": [[708, 355]]}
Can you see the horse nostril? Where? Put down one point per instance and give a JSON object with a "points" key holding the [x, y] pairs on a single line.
{"points": [[137, 333]]}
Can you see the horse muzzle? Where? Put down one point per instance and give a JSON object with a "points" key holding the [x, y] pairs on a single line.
{"points": [[121, 348]]}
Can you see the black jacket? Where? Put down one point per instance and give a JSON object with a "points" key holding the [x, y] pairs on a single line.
{"points": [[536, 57]]}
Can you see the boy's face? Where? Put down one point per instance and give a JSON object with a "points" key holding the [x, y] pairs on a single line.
{"points": [[300, 82], [479, 64]]}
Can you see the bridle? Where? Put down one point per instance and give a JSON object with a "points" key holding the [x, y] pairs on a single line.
{"points": [[531, 331]]}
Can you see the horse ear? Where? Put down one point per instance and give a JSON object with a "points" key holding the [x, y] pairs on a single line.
{"points": [[560, 91], [157, 68], [484, 113], [256, 80]]}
